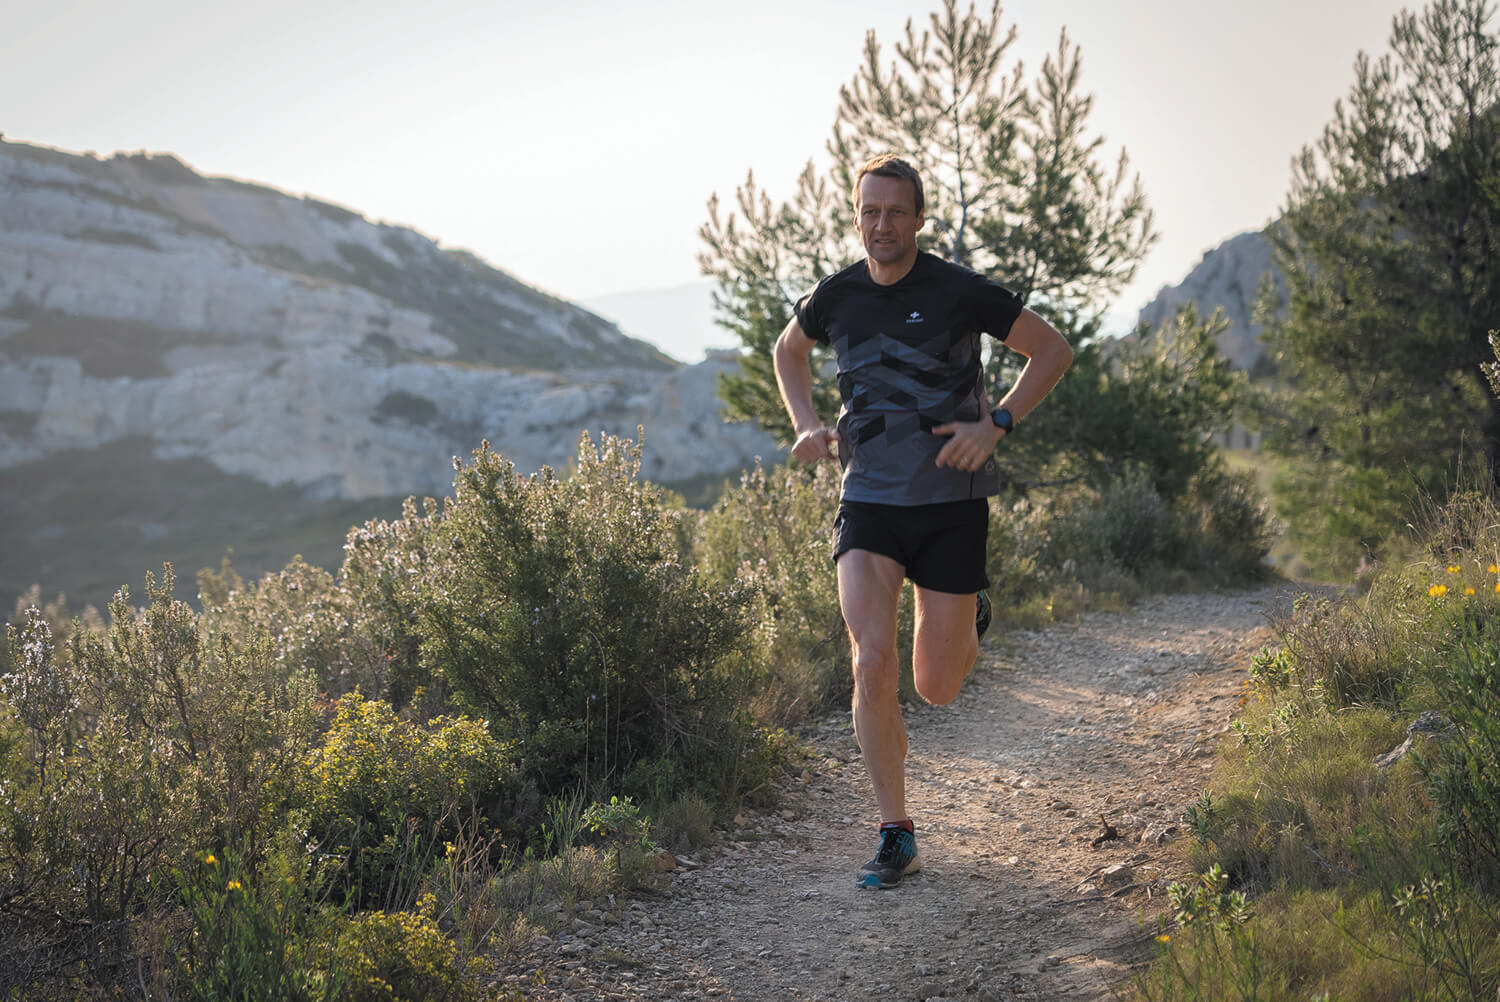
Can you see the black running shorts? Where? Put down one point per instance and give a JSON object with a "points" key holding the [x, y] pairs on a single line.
{"points": [[942, 546]]}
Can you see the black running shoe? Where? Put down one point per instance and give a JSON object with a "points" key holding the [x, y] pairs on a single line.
{"points": [[981, 612], [897, 857]]}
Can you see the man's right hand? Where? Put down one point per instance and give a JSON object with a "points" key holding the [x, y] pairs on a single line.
{"points": [[817, 444]]}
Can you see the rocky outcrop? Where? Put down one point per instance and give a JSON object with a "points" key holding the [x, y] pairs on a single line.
{"points": [[1227, 278], [295, 342]]}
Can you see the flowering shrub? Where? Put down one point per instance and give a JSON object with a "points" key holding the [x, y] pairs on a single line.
{"points": [[140, 742], [404, 957], [386, 573], [256, 933], [308, 620], [385, 793]]}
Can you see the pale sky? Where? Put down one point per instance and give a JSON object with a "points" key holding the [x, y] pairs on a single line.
{"points": [[575, 144]]}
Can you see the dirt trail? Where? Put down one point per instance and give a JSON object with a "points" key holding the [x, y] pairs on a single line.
{"points": [[1115, 717]]}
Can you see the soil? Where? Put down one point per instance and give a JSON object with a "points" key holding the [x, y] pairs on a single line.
{"points": [[1049, 803]]}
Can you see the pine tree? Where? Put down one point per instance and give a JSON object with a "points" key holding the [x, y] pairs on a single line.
{"points": [[1388, 244], [1013, 184]]}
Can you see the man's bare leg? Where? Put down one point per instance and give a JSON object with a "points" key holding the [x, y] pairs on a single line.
{"points": [[945, 645], [869, 593]]}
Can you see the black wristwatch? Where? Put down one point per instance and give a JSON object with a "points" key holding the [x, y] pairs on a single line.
{"points": [[1004, 420]]}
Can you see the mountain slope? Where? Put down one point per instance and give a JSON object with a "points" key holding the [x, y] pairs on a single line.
{"points": [[285, 360], [1227, 278]]}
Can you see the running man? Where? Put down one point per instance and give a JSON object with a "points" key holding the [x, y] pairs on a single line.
{"points": [[918, 454]]}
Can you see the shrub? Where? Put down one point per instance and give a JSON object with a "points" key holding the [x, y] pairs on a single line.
{"points": [[1224, 526], [308, 620], [771, 535], [1107, 541], [1464, 771], [403, 957], [385, 793], [140, 744], [567, 613], [257, 932], [387, 570]]}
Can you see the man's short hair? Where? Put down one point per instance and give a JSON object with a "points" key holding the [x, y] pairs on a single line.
{"points": [[889, 165]]}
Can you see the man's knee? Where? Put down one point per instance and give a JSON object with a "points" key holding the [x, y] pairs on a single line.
{"points": [[940, 684], [941, 691], [875, 674]]}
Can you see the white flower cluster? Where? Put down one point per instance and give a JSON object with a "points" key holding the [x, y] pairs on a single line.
{"points": [[37, 689]]}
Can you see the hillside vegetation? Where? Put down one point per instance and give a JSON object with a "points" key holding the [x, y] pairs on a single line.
{"points": [[499, 702]]}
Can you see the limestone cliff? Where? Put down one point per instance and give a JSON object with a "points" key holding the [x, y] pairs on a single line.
{"points": [[295, 345], [1227, 278]]}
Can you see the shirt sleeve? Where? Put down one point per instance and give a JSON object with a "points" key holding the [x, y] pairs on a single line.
{"points": [[991, 308], [809, 314]]}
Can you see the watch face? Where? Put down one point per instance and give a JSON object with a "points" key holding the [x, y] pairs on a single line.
{"points": [[1002, 418]]}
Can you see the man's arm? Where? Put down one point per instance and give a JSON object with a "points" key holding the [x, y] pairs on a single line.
{"points": [[792, 359], [1048, 356]]}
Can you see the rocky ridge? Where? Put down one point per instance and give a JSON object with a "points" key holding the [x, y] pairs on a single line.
{"points": [[278, 357], [295, 342], [1227, 278]]}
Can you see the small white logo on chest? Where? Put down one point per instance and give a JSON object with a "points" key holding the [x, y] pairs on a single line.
{"points": [[914, 318]]}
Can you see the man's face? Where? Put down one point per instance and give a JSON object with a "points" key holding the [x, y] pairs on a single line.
{"points": [[888, 219]]}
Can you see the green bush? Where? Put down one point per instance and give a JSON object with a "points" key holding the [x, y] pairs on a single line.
{"points": [[403, 957], [388, 567], [771, 535], [304, 615], [1150, 401], [385, 794], [1464, 770], [566, 612], [257, 932], [141, 744], [1224, 526]]}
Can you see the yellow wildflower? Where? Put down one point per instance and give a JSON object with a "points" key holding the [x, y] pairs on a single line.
{"points": [[1437, 591], [1468, 590], [234, 885], [1164, 938], [1495, 568], [1454, 568], [210, 860]]}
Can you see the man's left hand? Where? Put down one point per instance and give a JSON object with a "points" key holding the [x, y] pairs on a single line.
{"points": [[971, 443]]}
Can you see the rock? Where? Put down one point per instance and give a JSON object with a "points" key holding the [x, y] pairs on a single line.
{"points": [[1228, 278]]}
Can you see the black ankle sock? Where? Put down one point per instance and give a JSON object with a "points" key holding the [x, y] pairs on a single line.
{"points": [[904, 825]]}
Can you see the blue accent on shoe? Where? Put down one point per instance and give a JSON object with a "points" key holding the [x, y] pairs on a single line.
{"points": [[896, 858], [982, 612]]}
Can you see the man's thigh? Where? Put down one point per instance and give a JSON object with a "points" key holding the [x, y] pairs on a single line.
{"points": [[869, 593]]}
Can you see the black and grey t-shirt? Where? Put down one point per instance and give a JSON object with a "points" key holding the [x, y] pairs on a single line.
{"points": [[908, 361]]}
